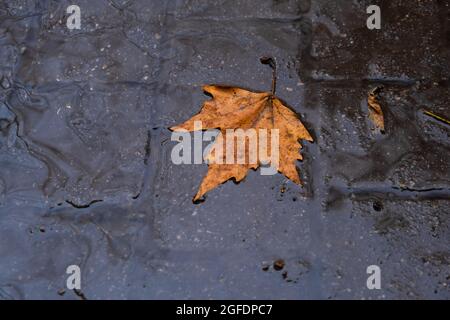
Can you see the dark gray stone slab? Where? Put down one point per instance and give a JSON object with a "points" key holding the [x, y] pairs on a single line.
{"points": [[86, 176]]}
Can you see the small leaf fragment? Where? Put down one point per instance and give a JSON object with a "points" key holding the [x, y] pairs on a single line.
{"points": [[375, 111]]}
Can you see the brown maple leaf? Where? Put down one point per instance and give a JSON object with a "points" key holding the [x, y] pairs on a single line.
{"points": [[236, 108], [375, 111]]}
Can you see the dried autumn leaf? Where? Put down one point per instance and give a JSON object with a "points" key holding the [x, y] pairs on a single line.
{"points": [[375, 111], [236, 108]]}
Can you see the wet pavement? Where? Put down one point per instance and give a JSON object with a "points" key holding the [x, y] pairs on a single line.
{"points": [[86, 176]]}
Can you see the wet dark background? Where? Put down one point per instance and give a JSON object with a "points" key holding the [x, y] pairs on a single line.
{"points": [[86, 176]]}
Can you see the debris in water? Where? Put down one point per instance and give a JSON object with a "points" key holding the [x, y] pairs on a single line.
{"points": [[437, 117]]}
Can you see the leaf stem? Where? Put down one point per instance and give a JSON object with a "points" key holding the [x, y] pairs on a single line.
{"points": [[273, 65]]}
